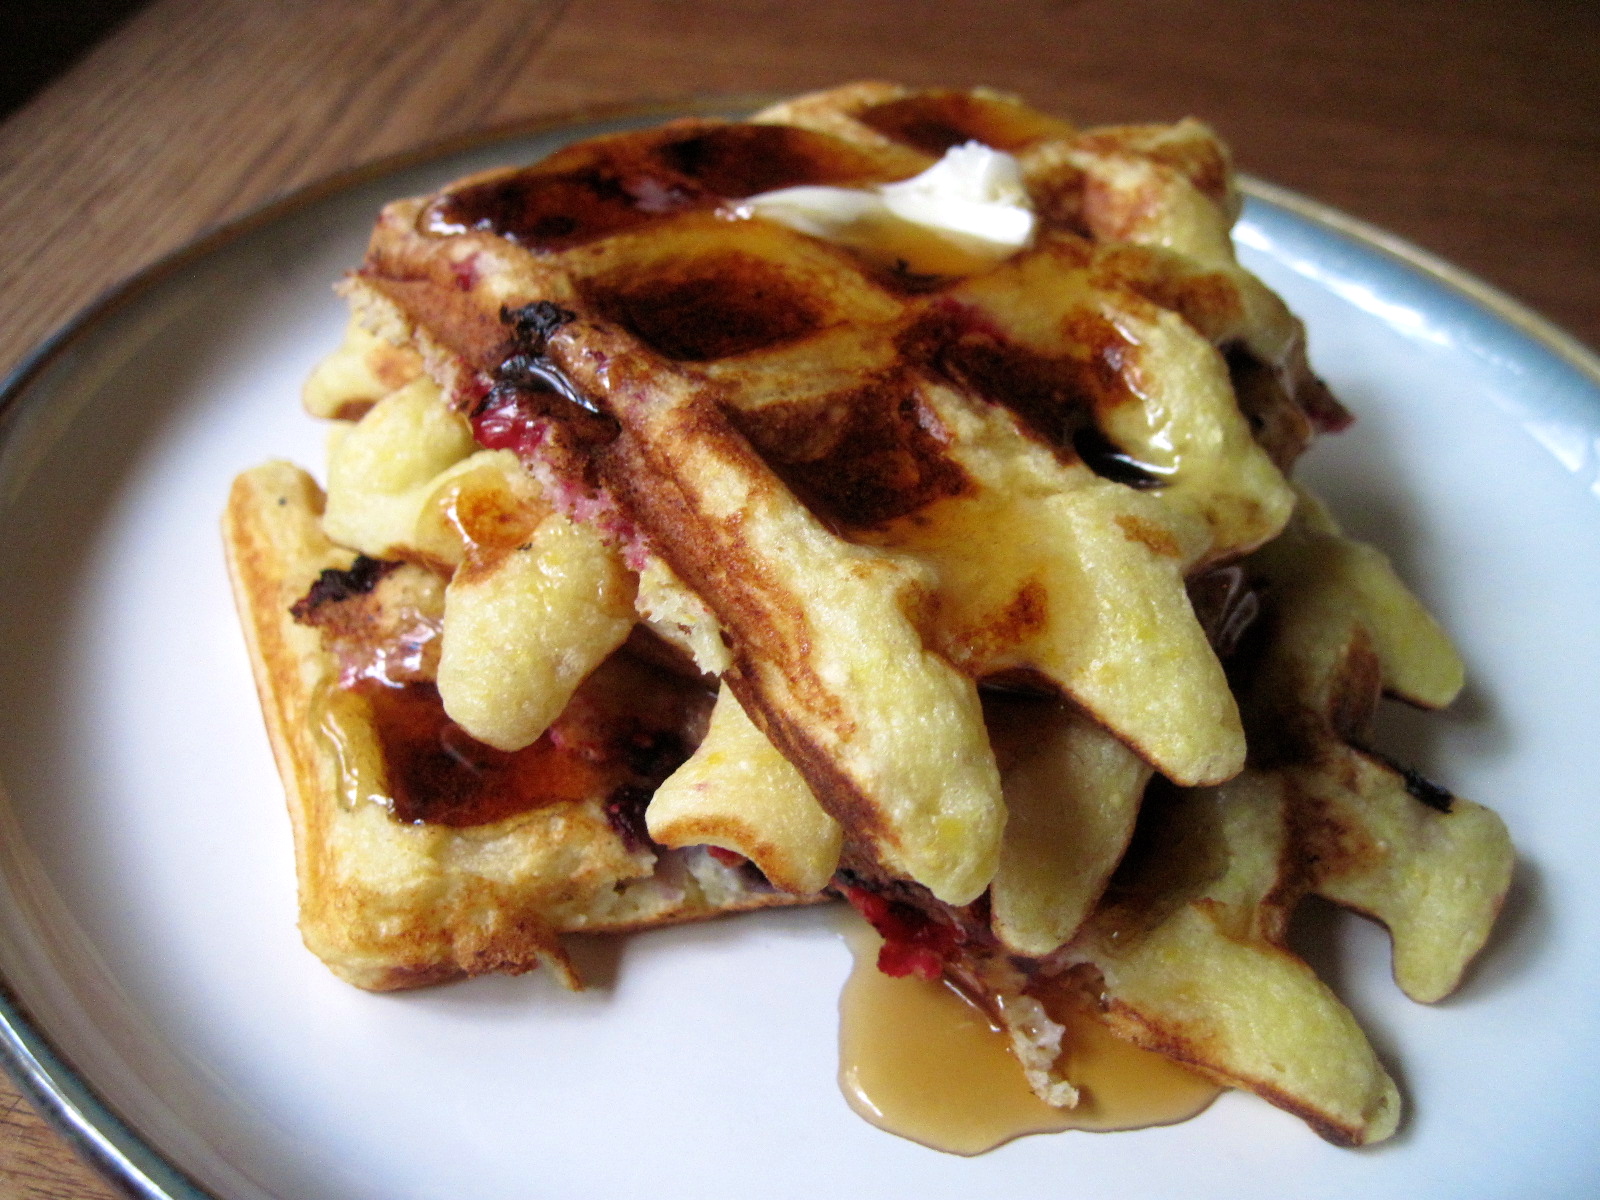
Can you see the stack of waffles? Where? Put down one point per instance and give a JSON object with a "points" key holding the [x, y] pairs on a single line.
{"points": [[680, 555]]}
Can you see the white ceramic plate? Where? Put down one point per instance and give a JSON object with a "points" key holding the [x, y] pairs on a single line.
{"points": [[161, 1003]]}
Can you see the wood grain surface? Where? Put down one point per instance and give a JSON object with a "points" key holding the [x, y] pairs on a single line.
{"points": [[1469, 127]]}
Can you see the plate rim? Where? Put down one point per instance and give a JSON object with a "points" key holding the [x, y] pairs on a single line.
{"points": [[66, 1099]]}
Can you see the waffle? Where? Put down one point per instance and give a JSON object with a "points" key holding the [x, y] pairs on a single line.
{"points": [[1194, 962], [946, 453], [404, 879], [1018, 634]]}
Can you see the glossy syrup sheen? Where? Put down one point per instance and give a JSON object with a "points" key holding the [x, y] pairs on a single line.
{"points": [[605, 186], [439, 774], [920, 1060], [709, 308], [861, 458], [397, 747], [934, 121], [628, 727]]}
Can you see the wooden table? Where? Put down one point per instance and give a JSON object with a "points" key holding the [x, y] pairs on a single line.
{"points": [[1471, 127]]}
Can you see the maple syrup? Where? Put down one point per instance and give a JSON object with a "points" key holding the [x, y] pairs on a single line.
{"points": [[858, 459], [1059, 399], [608, 185], [711, 308], [426, 769], [628, 727], [921, 1060], [933, 121]]}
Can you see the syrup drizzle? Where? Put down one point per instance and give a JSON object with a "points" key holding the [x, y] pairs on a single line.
{"points": [[934, 121], [396, 747], [629, 726], [604, 187], [920, 1060]]}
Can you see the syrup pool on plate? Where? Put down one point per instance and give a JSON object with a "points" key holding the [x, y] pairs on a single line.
{"points": [[921, 1060]]}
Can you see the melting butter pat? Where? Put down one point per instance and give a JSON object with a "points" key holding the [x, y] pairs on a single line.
{"points": [[962, 215]]}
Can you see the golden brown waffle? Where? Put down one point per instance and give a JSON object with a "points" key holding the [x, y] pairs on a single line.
{"points": [[397, 894], [886, 486], [857, 480], [1188, 953]]}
